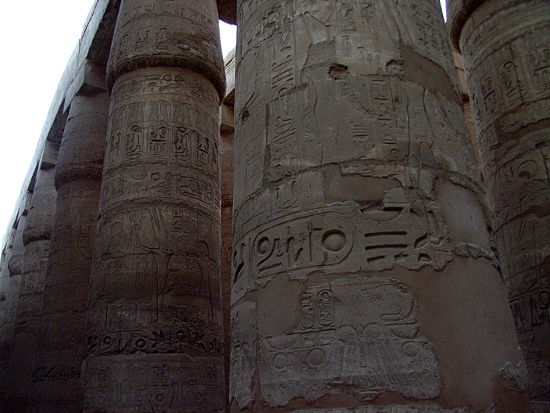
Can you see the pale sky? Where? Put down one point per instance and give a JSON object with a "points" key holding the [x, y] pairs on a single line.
{"points": [[37, 38]]}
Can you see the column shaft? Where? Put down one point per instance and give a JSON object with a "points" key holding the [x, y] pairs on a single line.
{"points": [[37, 239], [363, 268], [57, 385], [506, 49], [155, 336], [10, 287]]}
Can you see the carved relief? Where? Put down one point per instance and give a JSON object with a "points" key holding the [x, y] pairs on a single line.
{"points": [[360, 335], [358, 98], [507, 72], [301, 244], [402, 230], [155, 334], [188, 383], [244, 349], [191, 142], [169, 35]]}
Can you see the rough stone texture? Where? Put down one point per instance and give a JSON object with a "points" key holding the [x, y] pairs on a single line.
{"points": [[36, 237], [466, 104], [155, 329], [56, 375], [413, 408], [361, 260], [227, 132], [506, 51], [362, 264], [227, 11], [10, 286]]}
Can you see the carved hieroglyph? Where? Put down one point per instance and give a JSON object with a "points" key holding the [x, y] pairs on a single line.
{"points": [[361, 258], [155, 334], [56, 375], [506, 48]]}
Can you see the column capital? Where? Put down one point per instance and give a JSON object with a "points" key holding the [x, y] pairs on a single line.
{"points": [[458, 11], [180, 34]]}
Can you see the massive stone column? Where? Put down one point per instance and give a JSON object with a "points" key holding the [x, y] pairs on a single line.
{"points": [[36, 238], [506, 49], [10, 286], [56, 379], [364, 276], [155, 335]]}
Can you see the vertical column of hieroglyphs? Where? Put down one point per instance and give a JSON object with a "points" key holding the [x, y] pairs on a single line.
{"points": [[506, 49], [362, 266], [56, 384], [154, 339], [36, 237]]}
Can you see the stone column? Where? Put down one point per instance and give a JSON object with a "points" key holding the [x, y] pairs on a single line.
{"points": [[10, 286], [155, 334], [506, 49], [56, 375], [36, 238], [363, 268]]}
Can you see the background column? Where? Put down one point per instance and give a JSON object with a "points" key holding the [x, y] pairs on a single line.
{"points": [[57, 385], [362, 265], [37, 239], [10, 286], [506, 49], [155, 334]]}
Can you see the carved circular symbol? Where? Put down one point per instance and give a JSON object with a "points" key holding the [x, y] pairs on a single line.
{"points": [[280, 361], [373, 331], [527, 170], [411, 349], [544, 298], [263, 246], [160, 398], [334, 240], [316, 357], [140, 343]]}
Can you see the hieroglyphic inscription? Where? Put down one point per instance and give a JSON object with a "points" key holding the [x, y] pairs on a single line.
{"points": [[162, 184], [191, 384], [164, 130], [139, 329], [169, 250], [508, 73], [56, 373], [358, 96], [155, 303], [403, 231], [302, 243], [165, 34], [527, 272], [356, 333], [243, 353]]}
